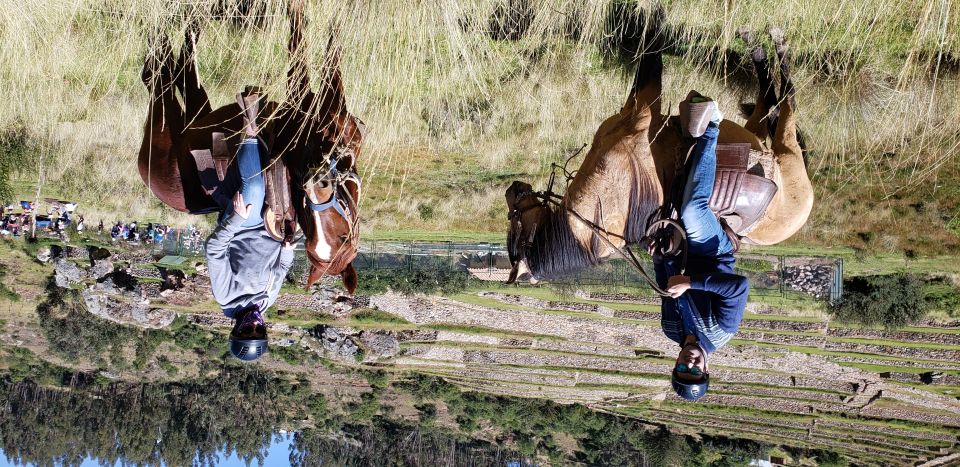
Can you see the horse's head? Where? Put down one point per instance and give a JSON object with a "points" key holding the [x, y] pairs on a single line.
{"points": [[329, 213], [527, 214]]}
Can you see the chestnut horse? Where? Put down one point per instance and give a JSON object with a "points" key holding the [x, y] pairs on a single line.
{"points": [[312, 133], [634, 161]]}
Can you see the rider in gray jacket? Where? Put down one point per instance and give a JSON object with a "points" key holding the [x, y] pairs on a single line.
{"points": [[247, 266]]}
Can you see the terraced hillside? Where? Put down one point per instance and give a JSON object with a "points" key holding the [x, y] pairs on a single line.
{"points": [[789, 379], [784, 381]]}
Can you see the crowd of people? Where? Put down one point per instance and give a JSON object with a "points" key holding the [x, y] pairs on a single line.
{"points": [[60, 216], [152, 233]]}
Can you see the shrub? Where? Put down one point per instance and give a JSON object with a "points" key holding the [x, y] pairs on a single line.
{"points": [[6, 293], [941, 294], [378, 317], [15, 148], [893, 300], [422, 280]]}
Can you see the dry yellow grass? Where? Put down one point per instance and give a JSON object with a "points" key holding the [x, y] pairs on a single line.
{"points": [[455, 115]]}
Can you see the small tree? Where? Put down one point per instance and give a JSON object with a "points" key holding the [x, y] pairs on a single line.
{"points": [[891, 300]]}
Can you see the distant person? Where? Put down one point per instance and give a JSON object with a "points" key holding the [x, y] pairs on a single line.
{"points": [[100, 227], [706, 304], [246, 265], [81, 225]]}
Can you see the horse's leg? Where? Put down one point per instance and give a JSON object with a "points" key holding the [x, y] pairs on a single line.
{"points": [[766, 106], [158, 76], [195, 98], [298, 76], [787, 91], [793, 202], [648, 81]]}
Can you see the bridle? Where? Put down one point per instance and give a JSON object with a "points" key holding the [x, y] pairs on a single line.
{"points": [[337, 180]]}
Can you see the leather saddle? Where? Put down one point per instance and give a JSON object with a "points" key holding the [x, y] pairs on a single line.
{"points": [[279, 216], [739, 198]]}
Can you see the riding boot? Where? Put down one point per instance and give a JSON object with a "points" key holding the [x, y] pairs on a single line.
{"points": [[696, 112], [249, 101]]}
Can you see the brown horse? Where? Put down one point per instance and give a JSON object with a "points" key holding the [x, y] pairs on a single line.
{"points": [[634, 160], [312, 133]]}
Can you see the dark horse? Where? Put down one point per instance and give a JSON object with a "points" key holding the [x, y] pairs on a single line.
{"points": [[313, 133]]}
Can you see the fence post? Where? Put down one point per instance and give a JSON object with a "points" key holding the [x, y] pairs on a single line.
{"points": [[782, 277], [836, 291]]}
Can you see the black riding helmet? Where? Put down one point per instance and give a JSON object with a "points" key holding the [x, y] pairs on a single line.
{"points": [[248, 339], [691, 390], [248, 349]]}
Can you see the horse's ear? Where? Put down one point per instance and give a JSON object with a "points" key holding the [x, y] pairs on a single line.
{"points": [[315, 275], [349, 276]]}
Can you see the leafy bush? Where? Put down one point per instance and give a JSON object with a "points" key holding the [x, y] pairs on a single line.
{"points": [[377, 316], [408, 281], [893, 300], [941, 294], [6, 293], [15, 148], [755, 265]]}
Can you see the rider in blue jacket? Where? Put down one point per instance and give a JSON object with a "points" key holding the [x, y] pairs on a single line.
{"points": [[706, 304]]}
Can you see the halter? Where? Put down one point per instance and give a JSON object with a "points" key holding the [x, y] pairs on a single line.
{"points": [[335, 202]]}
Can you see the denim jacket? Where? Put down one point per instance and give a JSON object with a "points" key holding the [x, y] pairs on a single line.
{"points": [[713, 306]]}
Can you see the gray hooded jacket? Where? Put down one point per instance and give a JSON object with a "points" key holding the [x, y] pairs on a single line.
{"points": [[246, 265]]}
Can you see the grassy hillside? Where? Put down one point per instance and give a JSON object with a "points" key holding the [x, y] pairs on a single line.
{"points": [[461, 97]]}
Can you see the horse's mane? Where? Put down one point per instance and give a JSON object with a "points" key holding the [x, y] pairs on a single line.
{"points": [[555, 251]]}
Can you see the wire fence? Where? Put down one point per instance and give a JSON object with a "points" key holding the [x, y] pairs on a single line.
{"points": [[819, 277]]}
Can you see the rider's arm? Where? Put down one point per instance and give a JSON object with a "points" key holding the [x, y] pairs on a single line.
{"points": [[730, 293], [279, 275], [218, 258], [669, 315]]}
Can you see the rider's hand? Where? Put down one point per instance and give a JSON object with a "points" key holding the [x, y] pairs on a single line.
{"points": [[239, 208], [677, 285]]}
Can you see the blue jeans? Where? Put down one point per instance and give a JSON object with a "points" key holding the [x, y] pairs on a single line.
{"points": [[705, 236], [252, 185]]}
